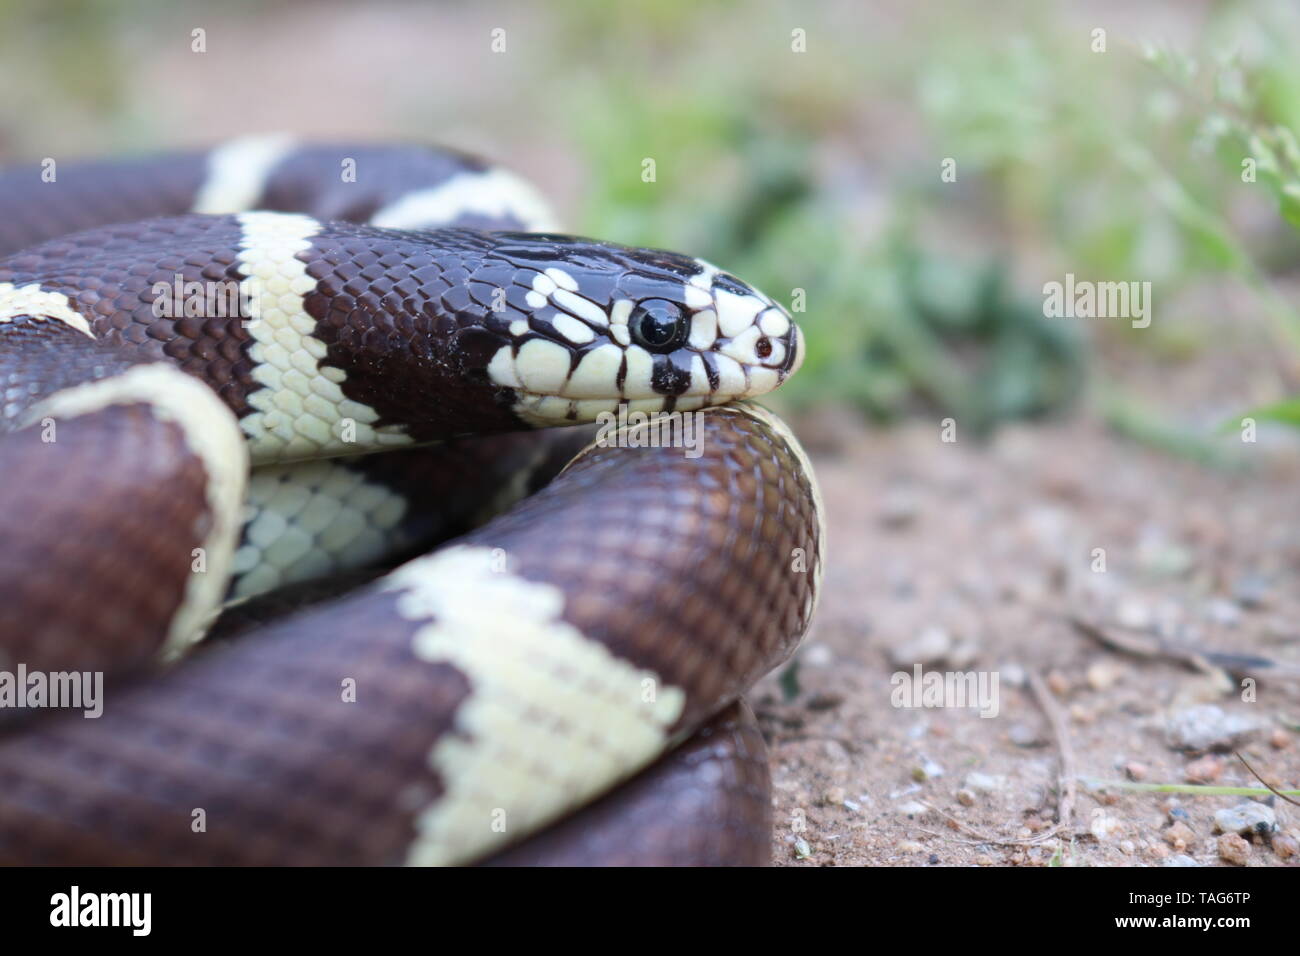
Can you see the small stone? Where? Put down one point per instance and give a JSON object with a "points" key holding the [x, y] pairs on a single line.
{"points": [[1136, 771], [1103, 674], [927, 771], [1178, 813], [1247, 817], [1285, 846], [913, 808], [1208, 727], [1251, 591], [1012, 675], [898, 507], [1134, 615], [1179, 836], [984, 782], [1180, 859], [930, 646], [1127, 847], [835, 796], [1205, 770], [966, 797], [1234, 849], [1023, 735], [1279, 739], [910, 846], [816, 655], [820, 702], [1105, 827], [1058, 684], [1223, 612], [1165, 559], [801, 848]]}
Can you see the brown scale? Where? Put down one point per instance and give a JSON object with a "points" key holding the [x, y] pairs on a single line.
{"points": [[95, 560], [109, 274], [394, 314], [256, 732]]}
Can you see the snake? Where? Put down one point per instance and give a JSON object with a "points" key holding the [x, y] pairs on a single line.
{"points": [[400, 527]]}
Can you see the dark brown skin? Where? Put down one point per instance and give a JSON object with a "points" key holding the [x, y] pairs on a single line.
{"points": [[74, 506], [255, 735], [681, 566]]}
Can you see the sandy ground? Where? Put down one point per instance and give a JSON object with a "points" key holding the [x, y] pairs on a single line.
{"points": [[963, 557]]}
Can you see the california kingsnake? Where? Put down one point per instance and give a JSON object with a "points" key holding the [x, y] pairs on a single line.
{"points": [[278, 312]]}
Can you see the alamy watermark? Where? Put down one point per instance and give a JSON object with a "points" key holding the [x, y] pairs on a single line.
{"points": [[636, 429], [1082, 299], [69, 690], [943, 689]]}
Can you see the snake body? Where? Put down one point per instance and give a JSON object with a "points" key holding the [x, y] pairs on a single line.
{"points": [[380, 349]]}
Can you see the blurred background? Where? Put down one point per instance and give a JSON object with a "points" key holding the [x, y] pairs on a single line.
{"points": [[818, 170], [911, 175]]}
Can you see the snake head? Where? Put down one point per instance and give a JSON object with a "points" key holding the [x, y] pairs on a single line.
{"points": [[591, 325]]}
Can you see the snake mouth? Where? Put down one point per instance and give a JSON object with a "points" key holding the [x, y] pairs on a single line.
{"points": [[722, 380]]}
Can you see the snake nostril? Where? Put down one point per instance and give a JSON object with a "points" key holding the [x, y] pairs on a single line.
{"points": [[763, 347]]}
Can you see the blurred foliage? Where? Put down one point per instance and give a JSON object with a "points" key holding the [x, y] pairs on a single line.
{"points": [[1068, 160], [820, 172]]}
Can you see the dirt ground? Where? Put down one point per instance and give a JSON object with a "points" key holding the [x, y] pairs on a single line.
{"points": [[964, 557]]}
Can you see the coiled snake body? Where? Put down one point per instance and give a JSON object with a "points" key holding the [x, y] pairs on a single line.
{"points": [[501, 698]]}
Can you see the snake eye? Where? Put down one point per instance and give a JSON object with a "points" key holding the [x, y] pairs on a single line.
{"points": [[658, 325]]}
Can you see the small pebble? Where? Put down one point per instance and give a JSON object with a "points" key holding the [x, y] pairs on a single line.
{"points": [[1234, 849], [1279, 739], [1179, 836], [930, 646], [1058, 684], [913, 808], [1208, 727], [1105, 827], [820, 702], [1223, 612], [835, 796], [927, 771], [984, 782], [816, 655], [898, 507], [1133, 614], [1023, 735], [1136, 771], [966, 797], [1205, 770], [1012, 675], [801, 848], [1181, 859], [910, 846], [1247, 817], [1251, 591], [1103, 674], [1285, 846]]}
